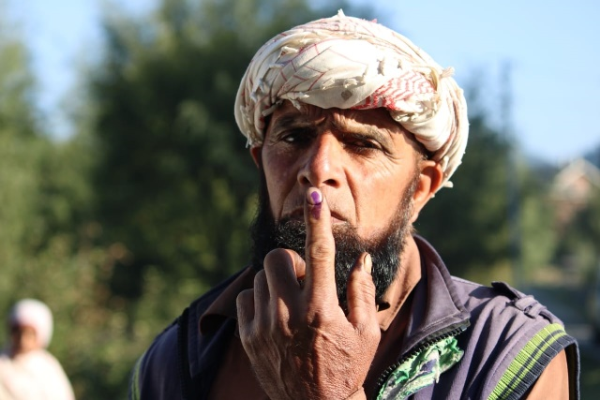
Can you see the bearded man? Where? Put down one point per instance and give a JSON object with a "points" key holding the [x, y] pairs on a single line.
{"points": [[353, 130]]}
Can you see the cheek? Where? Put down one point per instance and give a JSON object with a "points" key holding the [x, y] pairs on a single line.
{"points": [[377, 202], [280, 178], [378, 195]]}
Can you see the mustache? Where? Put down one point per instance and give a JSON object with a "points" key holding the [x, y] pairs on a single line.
{"points": [[289, 232], [385, 251], [297, 213]]}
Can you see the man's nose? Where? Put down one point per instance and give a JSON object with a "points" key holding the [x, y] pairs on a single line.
{"points": [[323, 163]]}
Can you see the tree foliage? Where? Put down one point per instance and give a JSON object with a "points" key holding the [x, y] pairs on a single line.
{"points": [[174, 185], [495, 222], [148, 205]]}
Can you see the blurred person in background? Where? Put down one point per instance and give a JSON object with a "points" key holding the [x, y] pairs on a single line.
{"points": [[353, 130], [27, 370]]}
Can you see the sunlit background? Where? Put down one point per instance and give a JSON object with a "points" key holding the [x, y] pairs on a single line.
{"points": [[126, 191]]}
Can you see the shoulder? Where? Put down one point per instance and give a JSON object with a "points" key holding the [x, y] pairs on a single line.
{"points": [[512, 337], [40, 370], [156, 370], [37, 361], [157, 373], [502, 308]]}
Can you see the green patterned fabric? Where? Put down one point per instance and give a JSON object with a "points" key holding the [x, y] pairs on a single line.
{"points": [[421, 370], [530, 362]]}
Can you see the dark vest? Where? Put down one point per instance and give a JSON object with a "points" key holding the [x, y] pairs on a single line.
{"points": [[463, 341]]}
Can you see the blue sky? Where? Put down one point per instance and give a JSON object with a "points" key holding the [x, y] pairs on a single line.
{"points": [[551, 47]]}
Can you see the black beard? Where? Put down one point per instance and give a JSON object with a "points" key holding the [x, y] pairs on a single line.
{"points": [[385, 249]]}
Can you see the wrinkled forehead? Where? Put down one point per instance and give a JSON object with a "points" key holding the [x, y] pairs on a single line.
{"points": [[372, 122], [290, 114]]}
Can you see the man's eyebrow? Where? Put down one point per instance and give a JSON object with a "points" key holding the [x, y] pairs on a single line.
{"points": [[294, 120], [291, 120], [364, 130], [377, 134]]}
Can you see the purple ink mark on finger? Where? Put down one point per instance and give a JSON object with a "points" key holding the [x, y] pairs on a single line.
{"points": [[316, 198], [316, 211]]}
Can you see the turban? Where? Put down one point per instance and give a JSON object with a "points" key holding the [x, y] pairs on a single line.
{"points": [[350, 63], [35, 314]]}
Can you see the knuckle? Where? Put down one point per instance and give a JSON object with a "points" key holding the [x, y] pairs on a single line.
{"points": [[280, 327], [275, 257], [247, 338], [368, 287], [319, 318], [261, 330], [320, 251], [373, 331], [363, 284], [260, 277], [243, 299], [369, 331]]}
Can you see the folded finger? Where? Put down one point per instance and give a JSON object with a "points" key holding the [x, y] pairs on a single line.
{"points": [[245, 311], [362, 309]]}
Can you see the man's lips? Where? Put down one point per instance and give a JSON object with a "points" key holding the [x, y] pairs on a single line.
{"points": [[298, 215]]}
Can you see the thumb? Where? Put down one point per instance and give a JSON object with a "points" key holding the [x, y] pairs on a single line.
{"points": [[299, 265], [361, 293]]}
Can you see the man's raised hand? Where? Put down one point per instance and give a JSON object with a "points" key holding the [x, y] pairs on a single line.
{"points": [[299, 341]]}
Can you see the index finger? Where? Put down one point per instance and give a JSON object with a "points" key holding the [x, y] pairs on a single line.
{"points": [[320, 248]]}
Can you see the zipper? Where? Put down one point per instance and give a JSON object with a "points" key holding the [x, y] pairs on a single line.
{"points": [[452, 330]]}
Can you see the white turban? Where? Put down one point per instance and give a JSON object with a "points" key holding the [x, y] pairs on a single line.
{"points": [[350, 63], [35, 314]]}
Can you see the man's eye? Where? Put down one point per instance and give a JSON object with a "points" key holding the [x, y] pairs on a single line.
{"points": [[295, 137], [362, 145], [289, 138]]}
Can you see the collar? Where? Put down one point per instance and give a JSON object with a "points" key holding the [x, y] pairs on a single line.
{"points": [[223, 307], [436, 307]]}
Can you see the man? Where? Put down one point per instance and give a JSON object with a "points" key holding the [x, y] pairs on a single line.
{"points": [[27, 370], [353, 130]]}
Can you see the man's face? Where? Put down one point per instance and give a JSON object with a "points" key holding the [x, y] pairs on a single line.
{"points": [[362, 161], [23, 339], [367, 168]]}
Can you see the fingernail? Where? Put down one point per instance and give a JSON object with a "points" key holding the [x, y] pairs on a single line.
{"points": [[368, 263], [316, 197], [317, 200]]}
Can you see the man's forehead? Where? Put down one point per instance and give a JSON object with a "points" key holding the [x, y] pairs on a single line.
{"points": [[375, 124], [297, 111], [301, 114]]}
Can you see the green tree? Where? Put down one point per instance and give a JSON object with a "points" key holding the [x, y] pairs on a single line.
{"points": [[468, 223], [20, 153], [46, 232], [174, 186], [580, 240], [494, 223], [538, 236], [31, 193]]}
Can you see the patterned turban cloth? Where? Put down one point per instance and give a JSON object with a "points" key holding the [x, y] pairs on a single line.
{"points": [[350, 63]]}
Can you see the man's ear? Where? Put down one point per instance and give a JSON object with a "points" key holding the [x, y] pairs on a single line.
{"points": [[256, 153], [429, 181]]}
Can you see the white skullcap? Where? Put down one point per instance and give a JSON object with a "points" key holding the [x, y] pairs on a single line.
{"points": [[35, 314], [350, 63]]}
